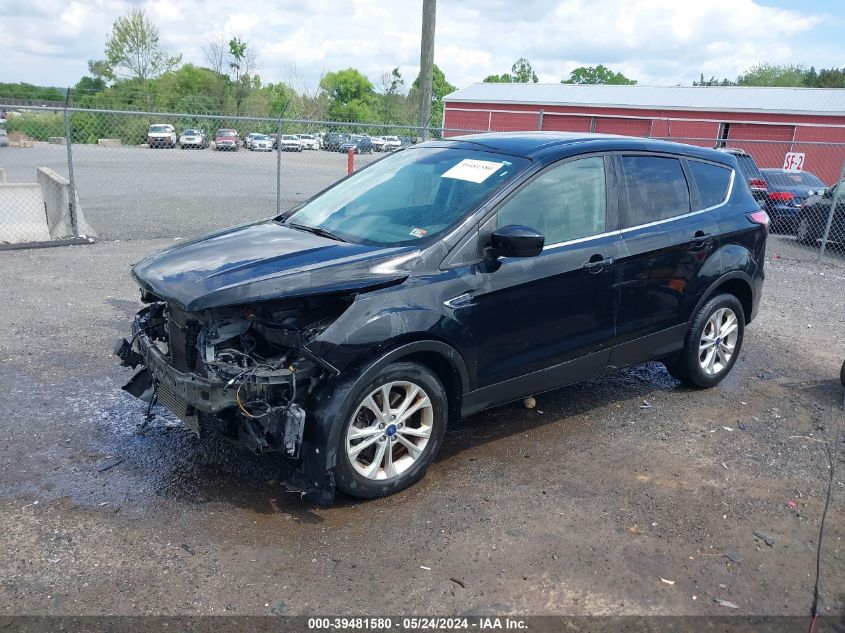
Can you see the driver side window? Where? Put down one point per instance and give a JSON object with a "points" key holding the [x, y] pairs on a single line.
{"points": [[564, 203]]}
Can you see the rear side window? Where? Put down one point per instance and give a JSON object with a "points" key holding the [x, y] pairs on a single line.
{"points": [[748, 167], [564, 203], [712, 182], [655, 188]]}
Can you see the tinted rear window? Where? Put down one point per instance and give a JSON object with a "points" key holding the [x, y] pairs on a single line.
{"points": [[712, 182], [748, 167], [792, 179], [656, 189]]}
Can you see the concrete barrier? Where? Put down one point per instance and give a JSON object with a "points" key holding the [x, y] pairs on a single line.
{"points": [[23, 218], [108, 142], [55, 191], [56, 140]]}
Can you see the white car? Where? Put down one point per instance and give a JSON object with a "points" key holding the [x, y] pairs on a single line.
{"points": [[291, 143], [260, 143], [309, 141], [392, 143], [162, 135], [378, 143], [248, 139]]}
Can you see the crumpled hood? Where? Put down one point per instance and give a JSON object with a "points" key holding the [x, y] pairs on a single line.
{"points": [[266, 260]]}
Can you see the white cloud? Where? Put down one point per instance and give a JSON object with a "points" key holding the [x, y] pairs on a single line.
{"points": [[654, 41]]}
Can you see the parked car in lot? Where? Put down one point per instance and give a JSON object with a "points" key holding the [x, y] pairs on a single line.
{"points": [[4, 138], [407, 141], [260, 143], [357, 143], [751, 173], [162, 135], [333, 140], [291, 143], [309, 141], [442, 280], [378, 143], [248, 139], [815, 213], [227, 139], [787, 191], [392, 143], [193, 137]]}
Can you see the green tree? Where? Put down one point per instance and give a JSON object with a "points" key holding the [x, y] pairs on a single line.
{"points": [[350, 95], [781, 75], [521, 73], [713, 81], [133, 49], [439, 89], [828, 78], [597, 75]]}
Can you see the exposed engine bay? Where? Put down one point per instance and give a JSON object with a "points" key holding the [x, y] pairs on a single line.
{"points": [[241, 371]]}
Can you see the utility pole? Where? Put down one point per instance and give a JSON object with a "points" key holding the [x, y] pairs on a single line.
{"points": [[426, 63]]}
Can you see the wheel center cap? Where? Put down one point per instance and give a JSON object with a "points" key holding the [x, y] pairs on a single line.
{"points": [[719, 340], [390, 431]]}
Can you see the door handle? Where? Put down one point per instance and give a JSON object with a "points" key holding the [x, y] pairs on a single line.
{"points": [[701, 239], [596, 263]]}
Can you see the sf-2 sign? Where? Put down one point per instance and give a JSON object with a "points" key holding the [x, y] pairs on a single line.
{"points": [[793, 161]]}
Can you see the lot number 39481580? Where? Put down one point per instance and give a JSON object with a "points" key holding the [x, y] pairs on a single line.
{"points": [[793, 161]]}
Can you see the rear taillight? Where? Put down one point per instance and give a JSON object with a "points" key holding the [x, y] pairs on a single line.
{"points": [[780, 196], [757, 183], [759, 217]]}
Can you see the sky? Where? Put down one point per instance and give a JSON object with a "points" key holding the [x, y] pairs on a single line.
{"points": [[657, 42]]}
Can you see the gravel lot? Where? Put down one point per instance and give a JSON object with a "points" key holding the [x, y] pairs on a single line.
{"points": [[579, 506]]}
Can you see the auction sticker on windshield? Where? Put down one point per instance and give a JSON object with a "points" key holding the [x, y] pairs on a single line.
{"points": [[473, 170]]}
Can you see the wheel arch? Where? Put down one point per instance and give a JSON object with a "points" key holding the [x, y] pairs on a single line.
{"points": [[736, 283]]}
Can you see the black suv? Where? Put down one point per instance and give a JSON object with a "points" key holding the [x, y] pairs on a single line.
{"points": [[444, 279]]}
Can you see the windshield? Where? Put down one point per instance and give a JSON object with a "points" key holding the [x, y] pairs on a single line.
{"points": [[260, 137], [792, 178], [410, 195], [226, 133], [191, 133], [159, 128]]}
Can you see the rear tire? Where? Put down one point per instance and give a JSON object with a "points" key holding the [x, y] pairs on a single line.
{"points": [[397, 447], [712, 344], [804, 232]]}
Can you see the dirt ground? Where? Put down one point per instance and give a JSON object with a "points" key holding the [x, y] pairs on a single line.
{"points": [[587, 504]]}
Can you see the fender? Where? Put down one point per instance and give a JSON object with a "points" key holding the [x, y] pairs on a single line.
{"points": [[736, 274], [325, 415]]}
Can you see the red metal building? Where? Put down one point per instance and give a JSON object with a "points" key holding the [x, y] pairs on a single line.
{"points": [[767, 122]]}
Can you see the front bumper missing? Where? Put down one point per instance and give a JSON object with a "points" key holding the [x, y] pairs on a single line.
{"points": [[207, 406]]}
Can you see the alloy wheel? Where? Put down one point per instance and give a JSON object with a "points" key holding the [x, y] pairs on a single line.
{"points": [[390, 430], [718, 341]]}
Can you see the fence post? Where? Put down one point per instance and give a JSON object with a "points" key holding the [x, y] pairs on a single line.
{"points": [[350, 160], [72, 193], [540, 121], [279, 168], [836, 196]]}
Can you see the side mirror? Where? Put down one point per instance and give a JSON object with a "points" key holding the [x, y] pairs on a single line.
{"points": [[515, 240], [828, 193]]}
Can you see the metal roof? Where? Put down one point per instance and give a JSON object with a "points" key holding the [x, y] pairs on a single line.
{"points": [[820, 101]]}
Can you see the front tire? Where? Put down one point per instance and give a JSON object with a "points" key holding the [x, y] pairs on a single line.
{"points": [[393, 428], [712, 343]]}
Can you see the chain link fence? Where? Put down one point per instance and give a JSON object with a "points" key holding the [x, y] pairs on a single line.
{"points": [[144, 175]]}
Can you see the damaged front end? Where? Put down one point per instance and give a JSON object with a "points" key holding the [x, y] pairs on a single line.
{"points": [[243, 372]]}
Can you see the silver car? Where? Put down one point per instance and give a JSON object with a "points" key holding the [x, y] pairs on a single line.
{"points": [[291, 143], [193, 138], [4, 138], [260, 143]]}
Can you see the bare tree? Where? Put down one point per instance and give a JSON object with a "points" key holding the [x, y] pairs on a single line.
{"points": [[215, 54]]}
